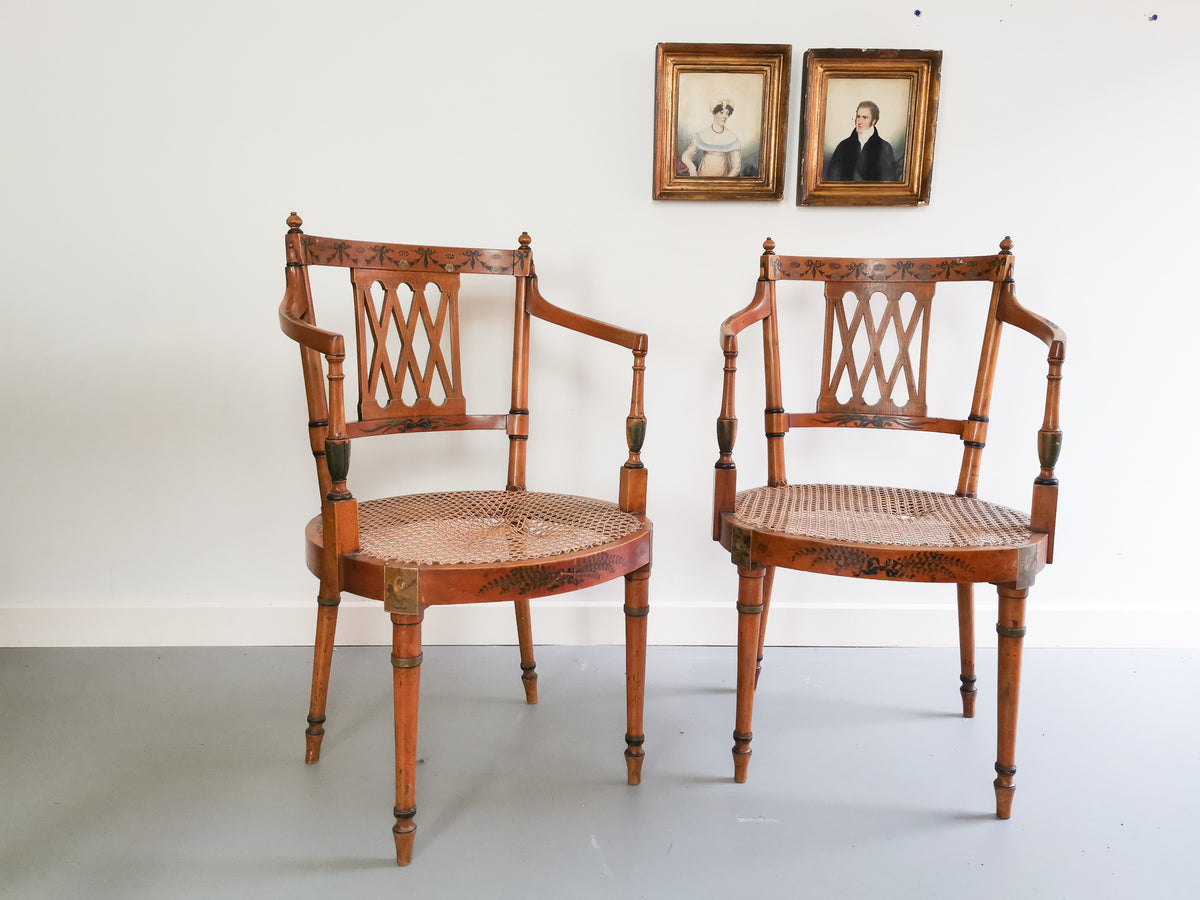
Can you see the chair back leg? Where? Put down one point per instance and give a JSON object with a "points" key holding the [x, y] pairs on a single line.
{"points": [[525, 639], [966, 648], [768, 585]]}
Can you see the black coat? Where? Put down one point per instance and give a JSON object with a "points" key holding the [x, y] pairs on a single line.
{"points": [[873, 161]]}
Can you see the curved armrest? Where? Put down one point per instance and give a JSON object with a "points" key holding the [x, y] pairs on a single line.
{"points": [[294, 315], [1013, 313], [538, 306], [329, 437], [632, 495], [1044, 508], [725, 479], [306, 335], [757, 310]]}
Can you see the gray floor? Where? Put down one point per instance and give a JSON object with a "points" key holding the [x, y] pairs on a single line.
{"points": [[179, 773]]}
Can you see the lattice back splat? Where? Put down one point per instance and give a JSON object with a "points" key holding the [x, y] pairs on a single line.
{"points": [[419, 313], [876, 337]]}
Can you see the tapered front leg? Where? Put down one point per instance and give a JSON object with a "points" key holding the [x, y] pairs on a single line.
{"points": [[525, 638], [327, 610], [406, 685], [750, 608], [768, 585], [1011, 628], [966, 648], [637, 608]]}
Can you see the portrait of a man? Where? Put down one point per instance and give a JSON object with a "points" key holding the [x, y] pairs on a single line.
{"points": [[864, 156], [875, 147], [869, 124]]}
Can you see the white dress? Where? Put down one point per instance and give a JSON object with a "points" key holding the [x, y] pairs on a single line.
{"points": [[722, 153]]}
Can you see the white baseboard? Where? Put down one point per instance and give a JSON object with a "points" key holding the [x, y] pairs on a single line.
{"points": [[567, 622]]}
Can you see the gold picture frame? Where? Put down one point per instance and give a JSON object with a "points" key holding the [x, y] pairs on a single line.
{"points": [[889, 162], [701, 151]]}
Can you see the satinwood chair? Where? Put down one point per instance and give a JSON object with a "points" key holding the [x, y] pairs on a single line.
{"points": [[877, 315], [430, 549]]}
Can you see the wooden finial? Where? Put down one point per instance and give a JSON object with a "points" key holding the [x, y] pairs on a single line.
{"points": [[526, 240], [294, 222], [1006, 245], [769, 247]]}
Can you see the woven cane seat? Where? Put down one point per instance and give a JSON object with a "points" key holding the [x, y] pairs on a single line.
{"points": [[878, 515], [465, 527]]}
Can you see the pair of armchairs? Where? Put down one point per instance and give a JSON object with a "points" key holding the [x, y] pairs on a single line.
{"points": [[416, 551]]}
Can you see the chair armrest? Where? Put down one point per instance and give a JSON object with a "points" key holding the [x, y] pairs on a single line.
{"points": [[335, 452], [757, 310], [538, 306], [1013, 313], [632, 494], [1044, 508], [725, 477], [308, 335]]}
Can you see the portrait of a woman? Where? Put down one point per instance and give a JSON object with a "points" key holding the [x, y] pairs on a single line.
{"points": [[719, 144]]}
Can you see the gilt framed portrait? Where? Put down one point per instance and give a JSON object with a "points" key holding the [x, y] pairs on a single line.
{"points": [[868, 126], [720, 121]]}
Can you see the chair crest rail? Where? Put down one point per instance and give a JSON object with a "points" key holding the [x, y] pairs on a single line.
{"points": [[323, 251], [879, 271]]}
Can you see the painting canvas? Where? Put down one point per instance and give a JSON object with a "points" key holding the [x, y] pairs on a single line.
{"points": [[718, 129], [855, 106]]}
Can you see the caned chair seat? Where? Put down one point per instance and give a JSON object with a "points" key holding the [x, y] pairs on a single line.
{"points": [[888, 517], [479, 527]]}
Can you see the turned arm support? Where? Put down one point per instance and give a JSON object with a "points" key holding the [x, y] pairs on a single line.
{"points": [[1045, 487], [725, 478], [633, 472]]}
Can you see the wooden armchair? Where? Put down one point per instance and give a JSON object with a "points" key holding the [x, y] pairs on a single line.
{"points": [[422, 550], [874, 361]]}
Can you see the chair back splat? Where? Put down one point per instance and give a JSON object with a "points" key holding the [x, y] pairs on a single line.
{"points": [[874, 373], [420, 550]]}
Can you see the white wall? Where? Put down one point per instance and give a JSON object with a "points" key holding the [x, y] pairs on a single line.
{"points": [[154, 447]]}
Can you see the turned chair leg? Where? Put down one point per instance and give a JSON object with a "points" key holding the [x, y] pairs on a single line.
{"points": [[1010, 626], [768, 584], [637, 608], [327, 610], [966, 647], [750, 609], [525, 638], [406, 687]]}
